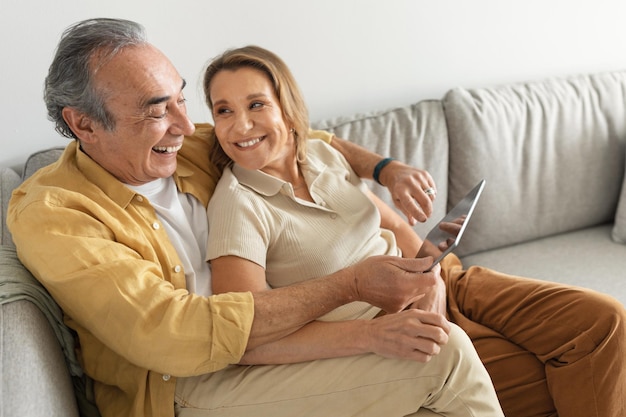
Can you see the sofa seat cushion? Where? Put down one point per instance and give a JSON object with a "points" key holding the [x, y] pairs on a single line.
{"points": [[569, 258]]}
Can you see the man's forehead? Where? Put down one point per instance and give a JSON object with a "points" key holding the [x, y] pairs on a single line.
{"points": [[141, 71]]}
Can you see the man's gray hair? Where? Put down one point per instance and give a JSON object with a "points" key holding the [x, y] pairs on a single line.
{"points": [[69, 82]]}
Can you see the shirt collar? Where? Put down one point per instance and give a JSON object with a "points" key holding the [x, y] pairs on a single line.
{"points": [[259, 181], [103, 179], [268, 185], [111, 186]]}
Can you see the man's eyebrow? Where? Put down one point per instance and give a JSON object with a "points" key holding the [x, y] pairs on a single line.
{"points": [[157, 100]]}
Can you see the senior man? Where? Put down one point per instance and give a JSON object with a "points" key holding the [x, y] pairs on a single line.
{"points": [[129, 273], [116, 231]]}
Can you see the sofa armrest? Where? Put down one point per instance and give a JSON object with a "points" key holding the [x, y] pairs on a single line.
{"points": [[34, 373], [34, 379]]}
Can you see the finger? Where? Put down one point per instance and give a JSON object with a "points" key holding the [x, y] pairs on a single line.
{"points": [[429, 187], [416, 266], [450, 228], [438, 326], [417, 208], [425, 196]]}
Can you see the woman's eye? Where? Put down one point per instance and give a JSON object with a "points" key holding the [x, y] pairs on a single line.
{"points": [[256, 105]]}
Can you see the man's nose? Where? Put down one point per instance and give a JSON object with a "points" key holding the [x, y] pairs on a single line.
{"points": [[182, 123]]}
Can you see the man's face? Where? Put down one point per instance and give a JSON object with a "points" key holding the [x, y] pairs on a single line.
{"points": [[143, 92]]}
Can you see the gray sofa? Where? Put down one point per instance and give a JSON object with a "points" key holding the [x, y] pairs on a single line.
{"points": [[554, 207]]}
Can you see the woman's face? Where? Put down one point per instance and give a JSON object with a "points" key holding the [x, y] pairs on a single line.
{"points": [[249, 121]]}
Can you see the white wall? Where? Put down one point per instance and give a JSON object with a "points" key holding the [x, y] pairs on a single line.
{"points": [[350, 56]]}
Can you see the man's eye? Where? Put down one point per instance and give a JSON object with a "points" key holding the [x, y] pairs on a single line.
{"points": [[157, 112]]}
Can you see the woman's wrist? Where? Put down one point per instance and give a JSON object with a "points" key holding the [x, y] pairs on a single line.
{"points": [[379, 168]]}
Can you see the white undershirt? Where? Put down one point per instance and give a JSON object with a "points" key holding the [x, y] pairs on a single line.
{"points": [[186, 224]]}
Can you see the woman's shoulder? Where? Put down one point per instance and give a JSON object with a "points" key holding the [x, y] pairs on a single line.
{"points": [[322, 150], [323, 153]]}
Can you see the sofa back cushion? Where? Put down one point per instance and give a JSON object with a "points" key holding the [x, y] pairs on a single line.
{"points": [[9, 179], [619, 228], [552, 153], [41, 159], [415, 134]]}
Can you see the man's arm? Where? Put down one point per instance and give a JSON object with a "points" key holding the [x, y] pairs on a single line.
{"points": [[411, 334], [388, 282], [406, 184]]}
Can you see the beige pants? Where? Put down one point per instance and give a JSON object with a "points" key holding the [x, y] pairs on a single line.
{"points": [[453, 383]]}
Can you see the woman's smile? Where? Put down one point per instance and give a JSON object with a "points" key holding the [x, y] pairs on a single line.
{"points": [[249, 143]]}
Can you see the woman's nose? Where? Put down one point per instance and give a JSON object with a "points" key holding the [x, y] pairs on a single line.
{"points": [[243, 122]]}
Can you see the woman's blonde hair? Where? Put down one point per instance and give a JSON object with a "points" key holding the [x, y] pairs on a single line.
{"points": [[285, 87]]}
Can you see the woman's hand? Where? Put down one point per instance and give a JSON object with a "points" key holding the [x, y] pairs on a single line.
{"points": [[413, 190]]}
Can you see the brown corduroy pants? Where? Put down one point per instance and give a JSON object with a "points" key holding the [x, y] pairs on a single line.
{"points": [[550, 349]]}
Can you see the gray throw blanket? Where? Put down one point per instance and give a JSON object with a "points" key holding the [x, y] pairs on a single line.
{"points": [[17, 283]]}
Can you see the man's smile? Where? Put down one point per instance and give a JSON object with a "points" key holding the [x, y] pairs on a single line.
{"points": [[167, 149]]}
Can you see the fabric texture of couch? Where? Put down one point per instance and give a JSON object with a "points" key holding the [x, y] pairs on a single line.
{"points": [[554, 207]]}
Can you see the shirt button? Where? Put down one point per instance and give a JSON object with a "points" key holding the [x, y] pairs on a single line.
{"points": [[155, 226], [323, 203], [140, 199], [333, 216], [177, 268], [166, 377]]}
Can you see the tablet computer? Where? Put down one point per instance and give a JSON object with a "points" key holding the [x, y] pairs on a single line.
{"points": [[447, 233]]}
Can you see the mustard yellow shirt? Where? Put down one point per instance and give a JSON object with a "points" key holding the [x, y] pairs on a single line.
{"points": [[101, 252]]}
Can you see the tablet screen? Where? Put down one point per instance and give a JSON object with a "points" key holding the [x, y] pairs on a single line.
{"points": [[446, 234]]}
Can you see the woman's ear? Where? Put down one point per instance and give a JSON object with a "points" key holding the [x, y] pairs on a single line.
{"points": [[79, 123]]}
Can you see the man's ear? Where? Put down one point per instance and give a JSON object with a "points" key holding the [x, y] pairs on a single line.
{"points": [[81, 124]]}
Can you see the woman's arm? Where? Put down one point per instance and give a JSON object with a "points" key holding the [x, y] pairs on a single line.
{"points": [[235, 274], [405, 183], [408, 241]]}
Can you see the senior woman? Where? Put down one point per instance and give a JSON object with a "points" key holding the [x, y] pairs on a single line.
{"points": [[295, 206], [298, 208]]}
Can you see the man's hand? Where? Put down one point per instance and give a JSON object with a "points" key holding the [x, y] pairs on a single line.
{"points": [[393, 283], [412, 190], [435, 300], [411, 334]]}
